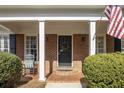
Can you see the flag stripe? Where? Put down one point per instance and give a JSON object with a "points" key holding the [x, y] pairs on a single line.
{"points": [[107, 14], [119, 32], [112, 19], [108, 11], [116, 24], [119, 27], [120, 23], [122, 33]]}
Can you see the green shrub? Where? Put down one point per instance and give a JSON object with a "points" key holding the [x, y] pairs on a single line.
{"points": [[104, 70], [10, 69]]}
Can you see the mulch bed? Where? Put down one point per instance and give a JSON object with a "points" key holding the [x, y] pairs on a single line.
{"points": [[29, 82]]}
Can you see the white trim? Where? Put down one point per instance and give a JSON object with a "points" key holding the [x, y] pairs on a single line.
{"points": [[92, 38], [7, 29], [104, 36], [57, 51], [42, 51], [105, 43], [24, 46], [85, 18], [25, 35], [57, 18], [37, 49], [2, 43], [71, 48], [8, 41], [41, 18]]}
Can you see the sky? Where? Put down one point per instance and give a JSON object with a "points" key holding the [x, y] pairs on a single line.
{"points": [[61, 2]]}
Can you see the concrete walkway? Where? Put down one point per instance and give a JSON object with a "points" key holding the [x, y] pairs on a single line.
{"points": [[63, 85]]}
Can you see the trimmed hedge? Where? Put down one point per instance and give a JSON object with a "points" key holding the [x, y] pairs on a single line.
{"points": [[10, 69], [104, 70]]}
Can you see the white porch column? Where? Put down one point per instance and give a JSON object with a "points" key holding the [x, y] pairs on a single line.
{"points": [[42, 50], [92, 38]]}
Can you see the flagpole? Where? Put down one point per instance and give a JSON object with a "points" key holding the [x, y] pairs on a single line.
{"points": [[98, 25], [99, 21]]}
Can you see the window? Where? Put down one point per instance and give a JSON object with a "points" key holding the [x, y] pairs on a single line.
{"points": [[4, 43], [31, 45], [100, 44], [122, 45]]}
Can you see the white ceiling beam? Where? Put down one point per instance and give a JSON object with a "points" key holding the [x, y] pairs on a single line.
{"points": [[51, 18]]}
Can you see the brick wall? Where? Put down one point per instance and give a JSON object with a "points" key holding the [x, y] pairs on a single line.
{"points": [[51, 53], [20, 46], [80, 50], [109, 44]]}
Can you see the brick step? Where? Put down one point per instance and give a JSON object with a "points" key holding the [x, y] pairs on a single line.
{"points": [[66, 72], [65, 68]]}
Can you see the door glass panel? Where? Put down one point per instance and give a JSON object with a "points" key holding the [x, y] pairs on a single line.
{"points": [[65, 51]]}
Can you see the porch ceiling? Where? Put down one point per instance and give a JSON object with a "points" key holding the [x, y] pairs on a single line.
{"points": [[53, 27], [21, 27]]}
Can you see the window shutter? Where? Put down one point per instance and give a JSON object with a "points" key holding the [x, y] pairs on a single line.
{"points": [[13, 43], [117, 45]]}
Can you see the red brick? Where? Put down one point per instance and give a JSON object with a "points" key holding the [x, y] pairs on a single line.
{"points": [[109, 44], [20, 46], [80, 50], [50, 53]]}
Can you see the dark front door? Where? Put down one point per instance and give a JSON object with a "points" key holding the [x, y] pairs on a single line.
{"points": [[65, 47]]}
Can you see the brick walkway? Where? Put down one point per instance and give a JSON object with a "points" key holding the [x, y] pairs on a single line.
{"points": [[65, 77], [59, 78]]}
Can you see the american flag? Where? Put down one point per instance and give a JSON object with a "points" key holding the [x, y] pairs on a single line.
{"points": [[116, 24]]}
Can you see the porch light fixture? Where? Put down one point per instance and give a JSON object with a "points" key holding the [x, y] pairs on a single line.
{"points": [[83, 38], [46, 39]]}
